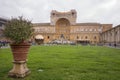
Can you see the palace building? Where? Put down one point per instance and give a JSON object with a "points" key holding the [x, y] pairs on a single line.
{"points": [[63, 26]]}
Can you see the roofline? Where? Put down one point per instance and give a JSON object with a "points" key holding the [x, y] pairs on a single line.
{"points": [[41, 24], [112, 28]]}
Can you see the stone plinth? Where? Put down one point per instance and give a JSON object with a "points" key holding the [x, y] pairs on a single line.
{"points": [[19, 69]]}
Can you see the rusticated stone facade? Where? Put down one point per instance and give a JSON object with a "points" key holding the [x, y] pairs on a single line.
{"points": [[63, 24]]}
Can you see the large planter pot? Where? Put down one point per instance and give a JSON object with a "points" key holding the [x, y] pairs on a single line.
{"points": [[20, 52]]}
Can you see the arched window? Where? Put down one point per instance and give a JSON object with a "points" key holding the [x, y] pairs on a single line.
{"points": [[95, 37], [77, 37], [86, 37], [73, 13], [86, 29], [53, 14], [90, 29], [48, 37], [116, 33], [111, 33]]}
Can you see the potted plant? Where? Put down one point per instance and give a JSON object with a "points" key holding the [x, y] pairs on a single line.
{"points": [[19, 31]]}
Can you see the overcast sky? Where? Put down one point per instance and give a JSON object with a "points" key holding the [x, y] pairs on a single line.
{"points": [[100, 11]]}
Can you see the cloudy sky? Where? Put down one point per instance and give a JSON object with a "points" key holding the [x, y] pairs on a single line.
{"points": [[100, 11]]}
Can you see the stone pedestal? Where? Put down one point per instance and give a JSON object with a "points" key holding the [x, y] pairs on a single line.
{"points": [[19, 69]]}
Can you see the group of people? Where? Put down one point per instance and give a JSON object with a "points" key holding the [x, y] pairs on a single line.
{"points": [[4, 43]]}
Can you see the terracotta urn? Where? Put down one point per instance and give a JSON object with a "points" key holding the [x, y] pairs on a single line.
{"points": [[20, 52]]}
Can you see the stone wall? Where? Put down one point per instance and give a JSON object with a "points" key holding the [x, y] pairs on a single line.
{"points": [[111, 36]]}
